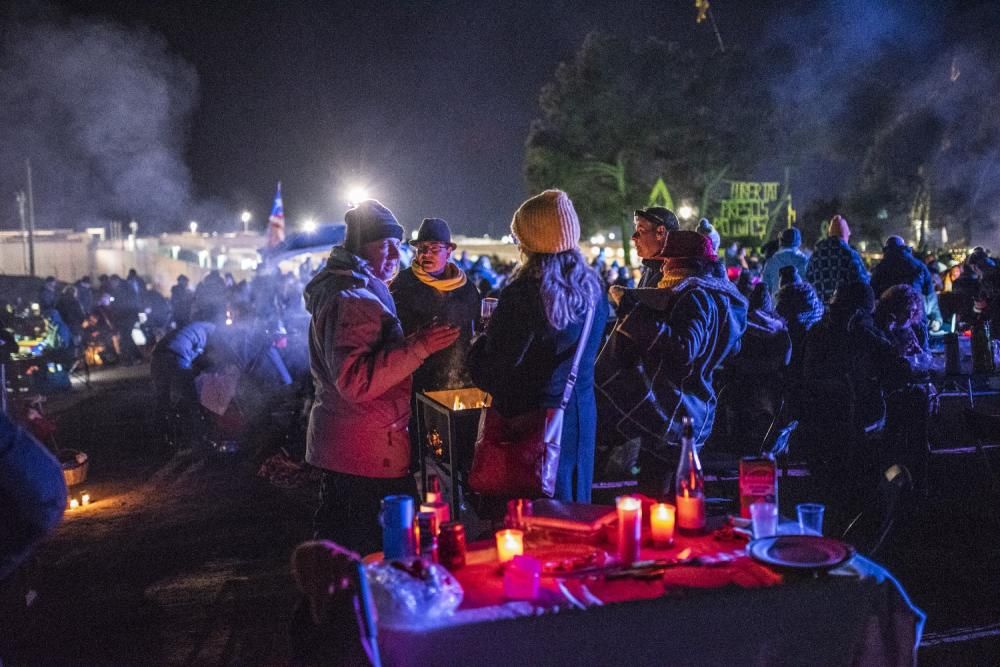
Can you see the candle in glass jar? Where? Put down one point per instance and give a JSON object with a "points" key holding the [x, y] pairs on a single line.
{"points": [[661, 523], [629, 528], [510, 543], [84, 498], [73, 503], [691, 512]]}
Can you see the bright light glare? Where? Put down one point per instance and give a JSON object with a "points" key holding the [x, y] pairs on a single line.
{"points": [[309, 225], [685, 212], [356, 194], [193, 226], [611, 236], [414, 234], [245, 217]]}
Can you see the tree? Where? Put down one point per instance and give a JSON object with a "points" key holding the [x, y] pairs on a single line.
{"points": [[620, 115]]}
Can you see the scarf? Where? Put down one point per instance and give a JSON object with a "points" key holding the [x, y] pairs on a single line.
{"points": [[452, 278], [672, 276]]}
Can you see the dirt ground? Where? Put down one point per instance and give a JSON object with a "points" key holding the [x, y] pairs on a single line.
{"points": [[183, 558]]}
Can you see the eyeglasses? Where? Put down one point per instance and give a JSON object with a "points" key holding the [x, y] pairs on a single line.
{"points": [[431, 248]]}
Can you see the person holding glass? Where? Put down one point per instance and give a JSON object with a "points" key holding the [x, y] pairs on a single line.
{"points": [[524, 357]]}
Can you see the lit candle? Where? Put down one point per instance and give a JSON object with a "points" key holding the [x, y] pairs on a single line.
{"points": [[73, 503], [691, 512], [661, 523], [84, 498], [520, 578], [510, 543], [629, 528]]}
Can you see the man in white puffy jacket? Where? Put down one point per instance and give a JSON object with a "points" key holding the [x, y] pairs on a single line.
{"points": [[362, 366]]}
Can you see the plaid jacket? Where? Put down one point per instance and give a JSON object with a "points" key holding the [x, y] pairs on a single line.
{"points": [[834, 262]]}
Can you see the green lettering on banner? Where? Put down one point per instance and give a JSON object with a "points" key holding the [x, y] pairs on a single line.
{"points": [[746, 213]]}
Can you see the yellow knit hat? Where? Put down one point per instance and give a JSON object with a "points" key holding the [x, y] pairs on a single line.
{"points": [[546, 223]]}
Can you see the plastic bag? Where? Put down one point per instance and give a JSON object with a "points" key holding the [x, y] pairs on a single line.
{"points": [[413, 592]]}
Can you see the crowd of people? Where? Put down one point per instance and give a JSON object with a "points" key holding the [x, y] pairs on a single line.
{"points": [[734, 342]]}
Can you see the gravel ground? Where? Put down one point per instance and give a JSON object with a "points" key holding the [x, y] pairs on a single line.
{"points": [[183, 558]]}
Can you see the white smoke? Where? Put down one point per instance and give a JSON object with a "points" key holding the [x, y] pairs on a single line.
{"points": [[101, 111]]}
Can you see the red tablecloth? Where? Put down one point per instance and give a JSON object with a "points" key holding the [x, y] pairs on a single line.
{"points": [[737, 612]]}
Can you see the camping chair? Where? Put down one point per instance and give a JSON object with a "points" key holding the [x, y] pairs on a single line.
{"points": [[871, 527]]}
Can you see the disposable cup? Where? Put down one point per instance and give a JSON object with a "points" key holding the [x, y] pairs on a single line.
{"points": [[764, 517], [810, 518]]}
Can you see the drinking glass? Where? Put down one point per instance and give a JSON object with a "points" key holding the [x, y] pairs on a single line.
{"points": [[810, 518], [764, 518]]}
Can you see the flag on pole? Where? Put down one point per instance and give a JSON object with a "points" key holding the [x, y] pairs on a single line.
{"points": [[276, 222]]}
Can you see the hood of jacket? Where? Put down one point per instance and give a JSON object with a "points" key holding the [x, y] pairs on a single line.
{"points": [[343, 270]]}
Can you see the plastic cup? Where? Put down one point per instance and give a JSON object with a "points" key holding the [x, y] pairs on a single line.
{"points": [[764, 517], [397, 527], [486, 307], [810, 518]]}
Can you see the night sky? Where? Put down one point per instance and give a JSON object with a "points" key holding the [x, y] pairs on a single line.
{"points": [[426, 103]]}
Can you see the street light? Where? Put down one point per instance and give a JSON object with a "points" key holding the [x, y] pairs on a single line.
{"points": [[309, 225], [193, 226], [355, 194], [685, 211], [245, 219]]}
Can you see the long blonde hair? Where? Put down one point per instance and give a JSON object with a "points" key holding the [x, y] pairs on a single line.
{"points": [[568, 286]]}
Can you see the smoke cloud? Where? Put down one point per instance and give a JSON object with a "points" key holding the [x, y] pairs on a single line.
{"points": [[101, 111], [879, 98]]}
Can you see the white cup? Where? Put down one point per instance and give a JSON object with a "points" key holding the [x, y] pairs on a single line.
{"points": [[764, 517]]}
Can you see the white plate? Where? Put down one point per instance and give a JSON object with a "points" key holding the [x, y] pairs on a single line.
{"points": [[800, 552]]}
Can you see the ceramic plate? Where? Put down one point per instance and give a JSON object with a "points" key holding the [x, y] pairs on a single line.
{"points": [[800, 552]]}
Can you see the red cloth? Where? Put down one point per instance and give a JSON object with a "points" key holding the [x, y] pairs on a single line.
{"points": [[482, 579]]}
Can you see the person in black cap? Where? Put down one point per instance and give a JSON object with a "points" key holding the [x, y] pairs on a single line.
{"points": [[362, 366], [652, 225], [787, 255], [435, 289]]}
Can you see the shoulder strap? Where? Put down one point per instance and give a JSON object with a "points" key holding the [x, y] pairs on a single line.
{"points": [[584, 335]]}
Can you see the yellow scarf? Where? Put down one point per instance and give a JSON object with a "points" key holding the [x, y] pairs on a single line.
{"points": [[671, 277], [452, 279]]}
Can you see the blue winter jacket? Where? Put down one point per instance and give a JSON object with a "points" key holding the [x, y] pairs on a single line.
{"points": [[32, 494], [658, 365]]}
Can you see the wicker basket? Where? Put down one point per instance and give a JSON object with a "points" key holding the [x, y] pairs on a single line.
{"points": [[74, 465]]}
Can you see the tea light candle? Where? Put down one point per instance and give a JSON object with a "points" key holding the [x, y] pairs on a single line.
{"points": [[661, 523], [691, 512], [510, 543], [629, 528], [84, 498], [520, 578], [73, 503]]}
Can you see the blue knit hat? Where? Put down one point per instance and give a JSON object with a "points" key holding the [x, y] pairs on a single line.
{"points": [[791, 238], [370, 221]]}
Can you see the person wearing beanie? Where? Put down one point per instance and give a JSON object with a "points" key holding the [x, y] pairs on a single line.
{"points": [[434, 289], [900, 267], [705, 228], [524, 357], [659, 362], [652, 226], [788, 254], [362, 365], [833, 261], [848, 366]]}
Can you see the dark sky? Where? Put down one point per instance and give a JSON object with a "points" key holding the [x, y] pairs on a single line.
{"points": [[177, 110], [428, 103]]}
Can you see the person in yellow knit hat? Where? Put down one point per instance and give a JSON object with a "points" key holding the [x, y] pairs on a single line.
{"points": [[525, 355]]}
